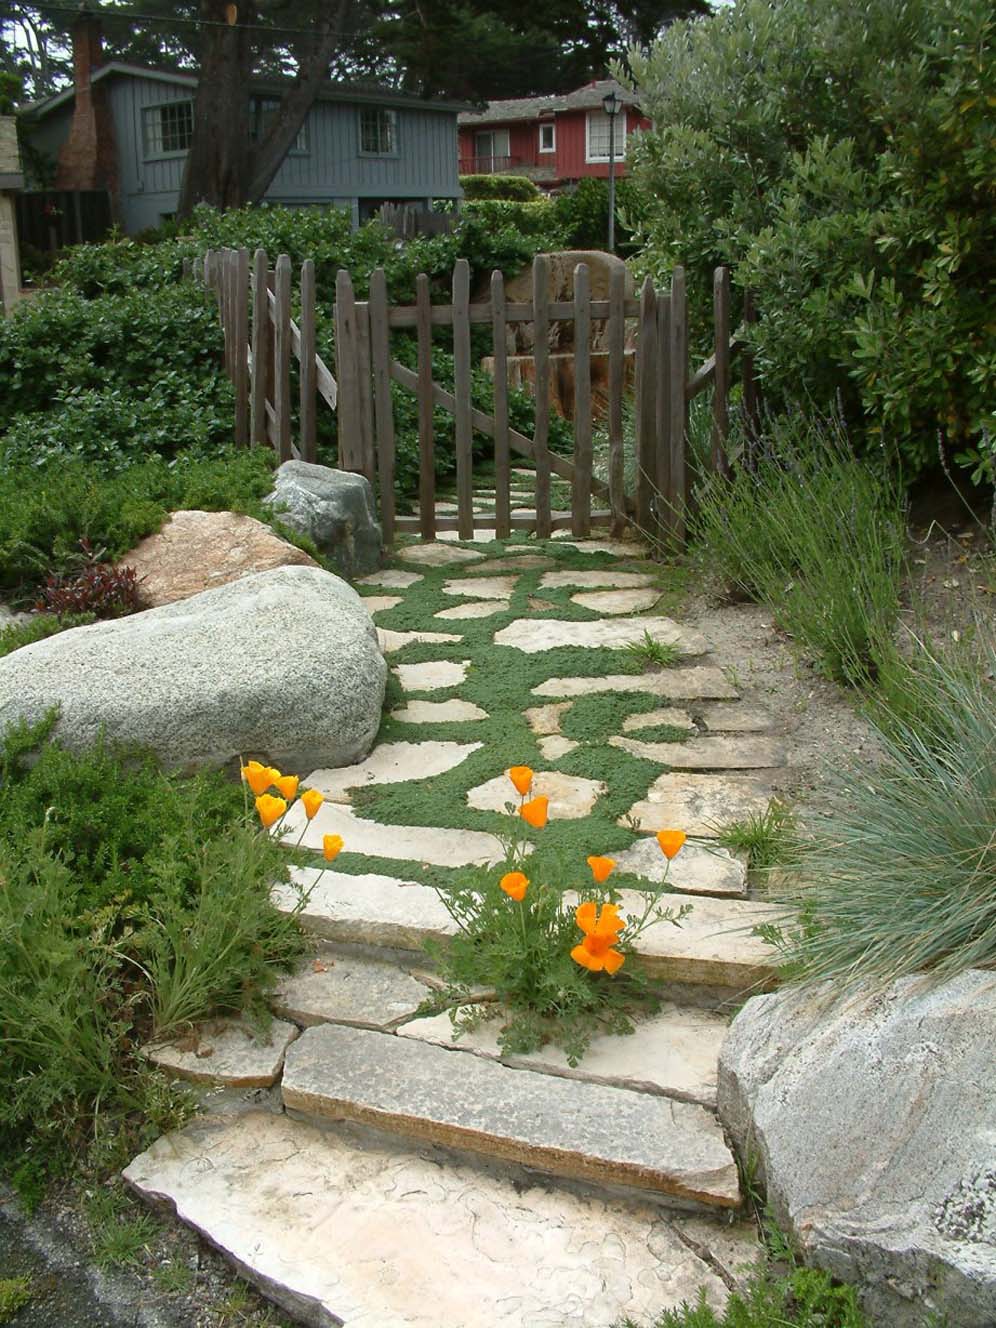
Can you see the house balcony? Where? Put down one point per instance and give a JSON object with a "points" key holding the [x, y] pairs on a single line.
{"points": [[489, 165]]}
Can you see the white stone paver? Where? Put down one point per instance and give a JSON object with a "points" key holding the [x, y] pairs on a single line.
{"points": [[617, 601], [736, 719], [331, 985], [618, 548], [437, 555], [392, 763], [228, 1052], [415, 843], [370, 909], [609, 578], [390, 642], [749, 752], [381, 603], [481, 587], [546, 719], [485, 608], [647, 719], [700, 804], [453, 711], [698, 869], [391, 578], [571, 797], [701, 682], [518, 561], [431, 676], [531, 635], [555, 746]]}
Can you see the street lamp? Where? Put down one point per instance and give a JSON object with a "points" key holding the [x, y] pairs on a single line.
{"points": [[612, 106]]}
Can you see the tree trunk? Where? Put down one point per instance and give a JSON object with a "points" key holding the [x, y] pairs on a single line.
{"points": [[218, 163], [299, 98]]}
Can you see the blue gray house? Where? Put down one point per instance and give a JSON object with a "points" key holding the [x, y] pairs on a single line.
{"points": [[126, 128]]}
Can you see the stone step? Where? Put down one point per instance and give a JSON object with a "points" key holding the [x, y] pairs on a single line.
{"points": [[673, 1151], [713, 947]]}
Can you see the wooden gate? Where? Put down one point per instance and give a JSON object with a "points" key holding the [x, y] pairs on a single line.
{"points": [[261, 337]]}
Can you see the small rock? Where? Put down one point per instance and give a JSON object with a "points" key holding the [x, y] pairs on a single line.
{"points": [[334, 508]]}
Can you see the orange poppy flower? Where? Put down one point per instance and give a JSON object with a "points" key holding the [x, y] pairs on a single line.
{"points": [[515, 885], [536, 812], [601, 933], [270, 809], [258, 777], [311, 800], [332, 846], [671, 842], [601, 869], [522, 777], [287, 784]]}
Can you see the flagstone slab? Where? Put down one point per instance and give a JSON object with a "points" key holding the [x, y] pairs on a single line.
{"points": [[481, 587], [736, 719], [227, 1052], [700, 804], [618, 548], [555, 746], [714, 946], [415, 843], [368, 909], [392, 763], [509, 561], [391, 578], [617, 601], [453, 711], [333, 986], [674, 1053], [381, 603], [698, 869], [376, 1235], [486, 608], [431, 676], [674, 1150], [531, 635], [719, 753], [545, 719], [571, 797], [608, 578], [393, 641], [650, 719], [479, 535], [437, 555], [701, 682]]}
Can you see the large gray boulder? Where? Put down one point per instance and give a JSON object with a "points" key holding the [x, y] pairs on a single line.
{"points": [[283, 665], [874, 1128], [335, 509]]}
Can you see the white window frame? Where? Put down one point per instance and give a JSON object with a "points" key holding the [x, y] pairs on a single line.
{"points": [[391, 120], [620, 137], [552, 127], [152, 132]]}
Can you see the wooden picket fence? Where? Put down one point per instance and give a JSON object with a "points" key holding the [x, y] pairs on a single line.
{"points": [[256, 302]]}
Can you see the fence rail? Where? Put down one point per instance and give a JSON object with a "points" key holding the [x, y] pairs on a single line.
{"points": [[261, 339]]}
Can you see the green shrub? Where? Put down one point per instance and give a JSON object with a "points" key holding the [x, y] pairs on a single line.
{"points": [[839, 157], [44, 514], [904, 880], [516, 187], [817, 534], [802, 1298], [37, 628], [582, 213]]}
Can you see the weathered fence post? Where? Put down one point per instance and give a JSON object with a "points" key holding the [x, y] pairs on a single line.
{"points": [[581, 486], [503, 478], [240, 343], [463, 432], [368, 461], [426, 441], [646, 408], [721, 380], [380, 354], [282, 356], [262, 354], [750, 396], [347, 373], [541, 372], [617, 374], [665, 479], [308, 378], [678, 430]]}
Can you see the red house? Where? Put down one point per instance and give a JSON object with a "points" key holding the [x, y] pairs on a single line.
{"points": [[552, 140]]}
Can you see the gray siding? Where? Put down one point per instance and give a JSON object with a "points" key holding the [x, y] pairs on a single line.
{"points": [[47, 137], [333, 172]]}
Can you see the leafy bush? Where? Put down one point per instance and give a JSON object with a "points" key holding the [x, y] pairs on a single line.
{"points": [[817, 534], [101, 590], [839, 157], [516, 187], [802, 1298], [121, 886], [44, 514], [905, 880], [37, 628], [583, 214]]}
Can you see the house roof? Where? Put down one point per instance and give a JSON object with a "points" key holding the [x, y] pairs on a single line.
{"points": [[363, 93], [536, 108]]}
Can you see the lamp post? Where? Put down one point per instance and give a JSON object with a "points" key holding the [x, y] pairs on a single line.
{"points": [[612, 106]]}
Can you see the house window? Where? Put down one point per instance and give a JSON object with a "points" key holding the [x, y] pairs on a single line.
{"points": [[262, 112], [491, 151], [378, 131], [168, 129], [548, 137], [597, 136]]}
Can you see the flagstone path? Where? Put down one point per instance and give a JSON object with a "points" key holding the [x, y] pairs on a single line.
{"points": [[399, 1175]]}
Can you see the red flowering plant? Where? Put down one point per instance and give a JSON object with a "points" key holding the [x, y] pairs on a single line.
{"points": [[543, 957]]}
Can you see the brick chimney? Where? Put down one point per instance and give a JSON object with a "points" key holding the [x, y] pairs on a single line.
{"points": [[88, 158]]}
